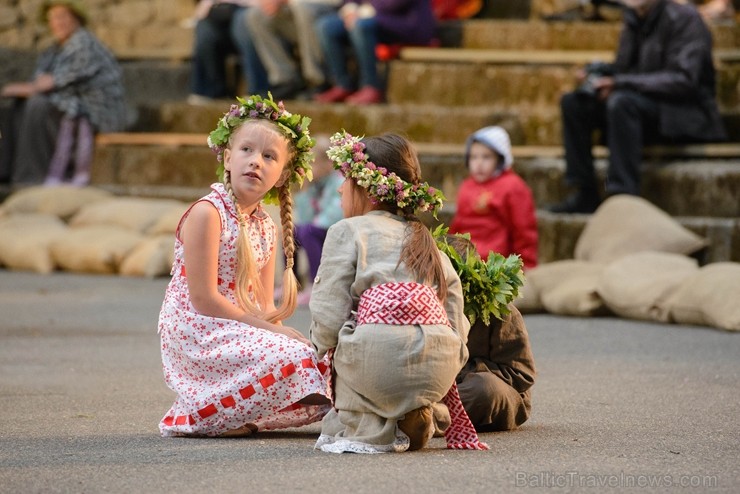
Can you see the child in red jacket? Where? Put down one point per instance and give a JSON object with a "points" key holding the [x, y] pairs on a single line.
{"points": [[494, 205]]}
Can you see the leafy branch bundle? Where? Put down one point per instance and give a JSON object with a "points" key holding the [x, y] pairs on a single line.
{"points": [[488, 286]]}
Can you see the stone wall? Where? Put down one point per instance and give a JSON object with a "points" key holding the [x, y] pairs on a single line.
{"points": [[131, 28]]}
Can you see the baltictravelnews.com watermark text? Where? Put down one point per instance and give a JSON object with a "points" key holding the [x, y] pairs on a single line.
{"points": [[620, 480]]}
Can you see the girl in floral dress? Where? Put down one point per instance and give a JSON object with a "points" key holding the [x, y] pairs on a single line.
{"points": [[235, 368]]}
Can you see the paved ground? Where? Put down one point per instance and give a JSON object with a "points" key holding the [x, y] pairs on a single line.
{"points": [[618, 404]]}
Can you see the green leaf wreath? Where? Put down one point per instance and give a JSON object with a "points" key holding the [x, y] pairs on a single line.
{"points": [[488, 286]]}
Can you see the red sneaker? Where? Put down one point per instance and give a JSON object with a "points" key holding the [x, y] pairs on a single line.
{"points": [[336, 94], [368, 95]]}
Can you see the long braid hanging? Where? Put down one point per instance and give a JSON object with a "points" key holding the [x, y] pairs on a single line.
{"points": [[246, 274], [290, 283]]}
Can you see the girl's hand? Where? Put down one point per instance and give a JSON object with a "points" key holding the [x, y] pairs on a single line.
{"points": [[291, 333], [43, 83]]}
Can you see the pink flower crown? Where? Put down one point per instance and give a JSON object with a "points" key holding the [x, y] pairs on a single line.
{"points": [[349, 157]]}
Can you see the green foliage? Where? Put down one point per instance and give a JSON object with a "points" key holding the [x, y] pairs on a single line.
{"points": [[488, 286]]}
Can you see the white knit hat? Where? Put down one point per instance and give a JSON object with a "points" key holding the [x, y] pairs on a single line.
{"points": [[495, 138]]}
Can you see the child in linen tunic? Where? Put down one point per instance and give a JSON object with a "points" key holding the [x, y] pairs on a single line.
{"points": [[382, 372]]}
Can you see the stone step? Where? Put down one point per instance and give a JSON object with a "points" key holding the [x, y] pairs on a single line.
{"points": [[514, 81], [536, 125], [421, 122], [679, 186], [540, 35], [558, 235], [690, 180]]}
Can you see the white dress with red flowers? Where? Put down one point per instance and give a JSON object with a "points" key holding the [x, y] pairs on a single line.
{"points": [[226, 373]]}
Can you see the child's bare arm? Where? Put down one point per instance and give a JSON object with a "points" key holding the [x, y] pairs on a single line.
{"points": [[200, 236]]}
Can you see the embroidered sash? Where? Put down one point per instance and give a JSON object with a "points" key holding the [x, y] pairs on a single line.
{"points": [[415, 303]]}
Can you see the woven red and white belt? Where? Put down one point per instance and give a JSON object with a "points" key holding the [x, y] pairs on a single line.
{"points": [[415, 303]]}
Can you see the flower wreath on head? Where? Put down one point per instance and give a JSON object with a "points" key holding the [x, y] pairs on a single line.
{"points": [[293, 126], [349, 156]]}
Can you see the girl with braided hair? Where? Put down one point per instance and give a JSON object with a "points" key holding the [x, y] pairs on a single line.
{"points": [[387, 307], [235, 367]]}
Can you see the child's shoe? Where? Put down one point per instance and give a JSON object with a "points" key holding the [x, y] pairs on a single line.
{"points": [[336, 94], [441, 418], [368, 95], [417, 424]]}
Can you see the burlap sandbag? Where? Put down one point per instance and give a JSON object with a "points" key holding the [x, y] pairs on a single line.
{"points": [[133, 213], [543, 283], [626, 224], [529, 300], [25, 241], [576, 294], [168, 221], [637, 286], [709, 297], [150, 257], [62, 201], [94, 249]]}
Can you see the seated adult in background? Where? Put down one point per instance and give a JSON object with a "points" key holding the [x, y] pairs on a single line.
{"points": [[77, 80], [221, 30], [362, 25], [661, 88], [281, 28]]}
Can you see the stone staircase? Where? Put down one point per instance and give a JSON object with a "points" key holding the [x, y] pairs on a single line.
{"points": [[508, 73]]}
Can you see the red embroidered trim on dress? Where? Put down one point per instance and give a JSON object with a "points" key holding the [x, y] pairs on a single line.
{"points": [[244, 393]]}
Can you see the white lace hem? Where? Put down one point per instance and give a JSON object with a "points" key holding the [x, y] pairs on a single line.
{"points": [[331, 444]]}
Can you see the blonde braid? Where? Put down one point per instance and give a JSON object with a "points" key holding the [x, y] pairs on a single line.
{"points": [[290, 283], [246, 272]]}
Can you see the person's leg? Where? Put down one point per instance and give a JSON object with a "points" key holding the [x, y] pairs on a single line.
{"points": [[491, 404], [36, 140], [364, 39], [333, 38], [62, 151], [83, 152], [271, 45], [629, 116], [209, 72], [10, 120], [581, 115], [305, 15], [254, 71]]}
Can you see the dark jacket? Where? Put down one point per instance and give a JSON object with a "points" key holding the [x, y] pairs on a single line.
{"points": [[668, 56], [503, 348]]}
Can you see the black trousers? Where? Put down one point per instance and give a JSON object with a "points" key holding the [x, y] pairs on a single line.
{"points": [[628, 120], [29, 132]]}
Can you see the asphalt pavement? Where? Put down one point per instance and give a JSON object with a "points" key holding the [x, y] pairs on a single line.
{"points": [[618, 406]]}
